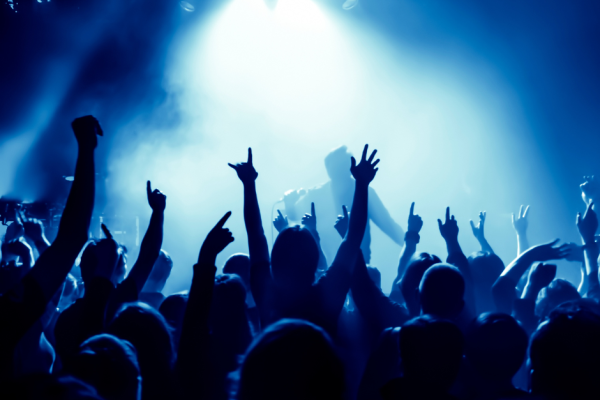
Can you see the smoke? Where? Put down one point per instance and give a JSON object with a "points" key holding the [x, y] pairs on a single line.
{"points": [[297, 81]]}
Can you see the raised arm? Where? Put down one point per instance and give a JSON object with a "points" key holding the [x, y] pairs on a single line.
{"points": [[257, 241], [411, 239], [539, 277], [520, 224], [363, 174], [456, 257], [310, 222], [152, 242], [587, 226], [55, 263], [194, 346], [478, 232], [504, 289]]}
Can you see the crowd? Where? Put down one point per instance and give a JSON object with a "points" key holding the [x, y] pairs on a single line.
{"points": [[78, 323]]}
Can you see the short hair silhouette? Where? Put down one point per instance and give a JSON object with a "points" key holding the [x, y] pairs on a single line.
{"points": [[565, 354], [110, 365], [496, 346], [291, 359], [441, 291], [431, 350]]}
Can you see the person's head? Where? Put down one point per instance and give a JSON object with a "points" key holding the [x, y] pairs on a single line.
{"points": [[496, 346], [441, 291], [294, 259], [160, 273], [239, 264], [553, 295], [110, 365], [173, 310], [431, 350], [338, 164], [485, 267], [565, 355], [89, 262], [148, 331], [291, 359], [409, 285]]}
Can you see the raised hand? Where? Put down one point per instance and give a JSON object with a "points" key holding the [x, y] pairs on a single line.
{"points": [[415, 223], [548, 251], [520, 223], [310, 220], [85, 129], [280, 222], [341, 224], [245, 171], [216, 240], [478, 231], [365, 171], [156, 199], [541, 275], [588, 225], [590, 189], [449, 229]]}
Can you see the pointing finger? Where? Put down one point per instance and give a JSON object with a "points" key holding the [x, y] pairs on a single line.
{"points": [[106, 231], [312, 209], [223, 220], [412, 209]]}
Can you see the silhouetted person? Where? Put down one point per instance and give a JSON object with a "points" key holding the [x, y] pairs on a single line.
{"points": [[230, 330], [441, 291], [283, 283], [26, 302], [110, 365], [331, 196], [495, 348], [147, 330], [431, 350], [291, 359], [565, 356]]}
